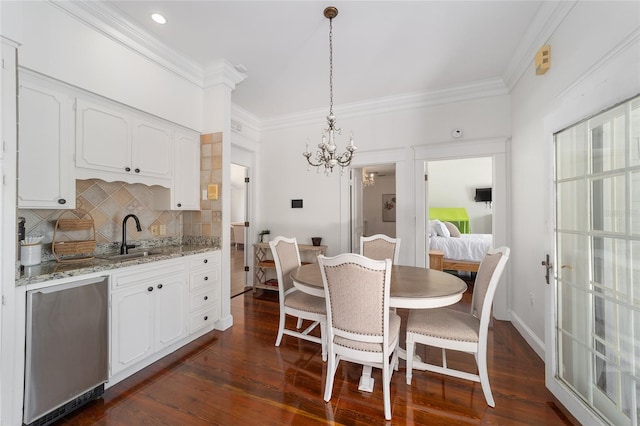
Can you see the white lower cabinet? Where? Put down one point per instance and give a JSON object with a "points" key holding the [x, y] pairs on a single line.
{"points": [[158, 307], [147, 315]]}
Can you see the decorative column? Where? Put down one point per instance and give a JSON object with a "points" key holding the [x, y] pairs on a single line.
{"points": [[220, 81]]}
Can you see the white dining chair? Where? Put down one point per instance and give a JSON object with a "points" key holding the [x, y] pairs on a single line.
{"points": [[380, 247], [461, 331], [360, 326], [294, 302]]}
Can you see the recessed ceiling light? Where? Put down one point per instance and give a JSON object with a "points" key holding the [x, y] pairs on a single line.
{"points": [[159, 18]]}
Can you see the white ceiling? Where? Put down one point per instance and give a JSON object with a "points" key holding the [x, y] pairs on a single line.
{"points": [[381, 48]]}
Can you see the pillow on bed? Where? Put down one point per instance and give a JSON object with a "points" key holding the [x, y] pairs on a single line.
{"points": [[432, 229], [453, 230], [441, 229]]}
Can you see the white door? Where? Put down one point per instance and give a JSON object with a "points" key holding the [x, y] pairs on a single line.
{"points": [[593, 364], [131, 326], [170, 316]]}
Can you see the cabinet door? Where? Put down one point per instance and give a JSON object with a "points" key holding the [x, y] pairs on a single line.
{"points": [[103, 138], [186, 183], [170, 310], [132, 328], [152, 149], [45, 177]]}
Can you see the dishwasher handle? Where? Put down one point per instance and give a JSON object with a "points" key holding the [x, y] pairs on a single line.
{"points": [[60, 287]]}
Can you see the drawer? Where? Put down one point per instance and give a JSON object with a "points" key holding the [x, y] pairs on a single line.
{"points": [[204, 319], [204, 298], [205, 260], [202, 279], [147, 272]]}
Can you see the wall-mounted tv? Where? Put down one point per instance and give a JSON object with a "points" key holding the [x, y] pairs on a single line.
{"points": [[483, 195]]}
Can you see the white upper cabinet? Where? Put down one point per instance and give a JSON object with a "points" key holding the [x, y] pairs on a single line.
{"points": [[114, 143], [45, 165], [185, 194]]}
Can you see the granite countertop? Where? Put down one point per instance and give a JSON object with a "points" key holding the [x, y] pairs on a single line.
{"points": [[52, 270]]}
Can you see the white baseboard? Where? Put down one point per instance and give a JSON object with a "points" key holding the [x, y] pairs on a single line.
{"points": [[533, 340], [224, 323]]}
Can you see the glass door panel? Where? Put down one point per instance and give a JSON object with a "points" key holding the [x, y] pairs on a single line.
{"points": [[598, 252]]}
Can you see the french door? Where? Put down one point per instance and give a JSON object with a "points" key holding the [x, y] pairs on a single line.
{"points": [[596, 332]]}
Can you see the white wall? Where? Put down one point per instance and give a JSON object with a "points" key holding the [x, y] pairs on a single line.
{"points": [[284, 173], [591, 68], [59, 46], [372, 206], [453, 183]]}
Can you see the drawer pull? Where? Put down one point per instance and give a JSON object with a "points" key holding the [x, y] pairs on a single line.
{"points": [[206, 317], [150, 289], [137, 170], [159, 286], [206, 278], [206, 261], [206, 298], [127, 169]]}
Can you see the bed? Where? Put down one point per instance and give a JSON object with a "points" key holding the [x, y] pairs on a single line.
{"points": [[457, 251]]}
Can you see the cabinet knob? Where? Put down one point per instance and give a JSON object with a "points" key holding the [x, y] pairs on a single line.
{"points": [[206, 298], [206, 318], [159, 286], [206, 278], [127, 169], [137, 170], [179, 204], [62, 201], [206, 261], [149, 288]]}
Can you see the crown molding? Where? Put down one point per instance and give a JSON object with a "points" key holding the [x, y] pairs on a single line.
{"points": [[108, 21], [245, 119], [630, 41], [544, 25], [222, 72], [461, 93]]}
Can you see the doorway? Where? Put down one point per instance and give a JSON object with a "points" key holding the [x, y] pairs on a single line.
{"points": [[239, 218], [374, 202]]}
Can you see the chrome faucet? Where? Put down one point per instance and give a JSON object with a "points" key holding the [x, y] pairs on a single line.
{"points": [[124, 248]]}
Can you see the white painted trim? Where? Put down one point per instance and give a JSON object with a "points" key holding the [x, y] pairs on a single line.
{"points": [[402, 158], [496, 148], [548, 19], [536, 344], [612, 53], [470, 91], [222, 72]]}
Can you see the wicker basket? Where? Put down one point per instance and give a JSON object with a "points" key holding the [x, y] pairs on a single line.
{"points": [[75, 250]]}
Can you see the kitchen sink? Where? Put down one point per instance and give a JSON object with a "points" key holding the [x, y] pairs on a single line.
{"points": [[128, 256]]}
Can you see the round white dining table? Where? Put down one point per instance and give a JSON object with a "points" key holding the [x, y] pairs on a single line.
{"points": [[411, 287]]}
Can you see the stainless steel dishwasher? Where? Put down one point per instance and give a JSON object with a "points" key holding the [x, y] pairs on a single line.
{"points": [[67, 357]]}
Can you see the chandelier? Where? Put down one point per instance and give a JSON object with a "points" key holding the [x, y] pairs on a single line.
{"points": [[368, 179], [327, 155]]}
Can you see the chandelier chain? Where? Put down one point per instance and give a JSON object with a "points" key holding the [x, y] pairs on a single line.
{"points": [[331, 66]]}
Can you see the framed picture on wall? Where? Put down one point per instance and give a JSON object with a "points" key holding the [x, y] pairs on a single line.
{"points": [[388, 207]]}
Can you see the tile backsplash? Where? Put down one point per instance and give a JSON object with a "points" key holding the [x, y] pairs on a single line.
{"points": [[108, 203]]}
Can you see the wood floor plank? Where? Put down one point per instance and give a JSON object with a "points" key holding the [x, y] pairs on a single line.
{"points": [[238, 377]]}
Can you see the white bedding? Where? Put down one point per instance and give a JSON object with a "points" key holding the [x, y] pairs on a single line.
{"points": [[469, 247]]}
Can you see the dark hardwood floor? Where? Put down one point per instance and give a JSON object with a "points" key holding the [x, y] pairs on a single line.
{"points": [[238, 377]]}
